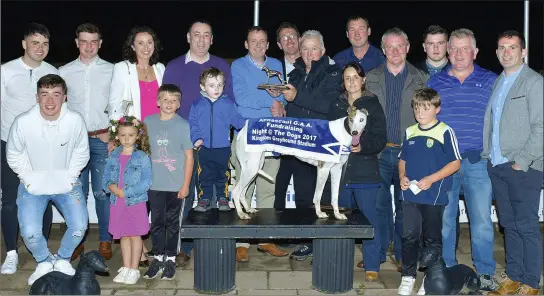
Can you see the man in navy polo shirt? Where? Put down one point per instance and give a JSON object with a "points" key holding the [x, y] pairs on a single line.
{"points": [[368, 56], [465, 89]]}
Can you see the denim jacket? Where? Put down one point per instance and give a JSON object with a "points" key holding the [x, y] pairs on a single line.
{"points": [[137, 176]]}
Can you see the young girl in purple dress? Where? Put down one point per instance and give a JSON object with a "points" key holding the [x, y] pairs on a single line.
{"points": [[127, 178]]}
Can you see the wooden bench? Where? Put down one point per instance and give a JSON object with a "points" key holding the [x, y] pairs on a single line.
{"points": [[215, 235]]}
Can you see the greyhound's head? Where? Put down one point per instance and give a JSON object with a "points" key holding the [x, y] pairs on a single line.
{"points": [[94, 260], [357, 123], [429, 256]]}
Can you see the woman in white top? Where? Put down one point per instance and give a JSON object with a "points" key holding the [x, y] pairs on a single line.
{"points": [[136, 80]]}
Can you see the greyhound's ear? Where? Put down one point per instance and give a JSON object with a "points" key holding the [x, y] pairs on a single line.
{"points": [[364, 111]]}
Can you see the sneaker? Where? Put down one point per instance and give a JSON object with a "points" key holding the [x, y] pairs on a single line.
{"points": [[487, 283], [120, 278], [421, 290], [10, 264], [41, 270], [154, 270], [223, 205], [64, 266], [133, 275], [406, 285], [302, 252], [203, 205], [169, 270]]}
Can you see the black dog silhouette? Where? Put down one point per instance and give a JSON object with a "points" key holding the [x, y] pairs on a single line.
{"points": [[82, 283], [441, 280]]}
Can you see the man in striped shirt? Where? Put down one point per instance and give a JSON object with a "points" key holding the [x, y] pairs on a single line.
{"points": [[465, 89]]}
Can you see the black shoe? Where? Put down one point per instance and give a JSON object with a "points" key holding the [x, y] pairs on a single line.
{"points": [[155, 268], [302, 253], [169, 270]]}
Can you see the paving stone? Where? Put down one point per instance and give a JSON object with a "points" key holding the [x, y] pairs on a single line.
{"points": [[290, 280], [17, 281], [251, 280], [145, 292], [193, 292], [13, 292], [184, 279], [315, 292], [304, 265], [268, 292], [106, 291], [378, 292]]}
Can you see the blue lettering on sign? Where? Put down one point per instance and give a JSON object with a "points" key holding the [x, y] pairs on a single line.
{"points": [[307, 135]]}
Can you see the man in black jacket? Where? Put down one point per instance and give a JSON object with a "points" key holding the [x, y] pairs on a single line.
{"points": [[435, 41], [313, 85]]}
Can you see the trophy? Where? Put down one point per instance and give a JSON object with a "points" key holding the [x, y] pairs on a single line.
{"points": [[268, 85]]}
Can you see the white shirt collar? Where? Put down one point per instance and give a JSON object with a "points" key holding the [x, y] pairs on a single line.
{"points": [[92, 63], [188, 57]]}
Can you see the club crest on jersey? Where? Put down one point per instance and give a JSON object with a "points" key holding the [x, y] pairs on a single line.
{"points": [[430, 142]]}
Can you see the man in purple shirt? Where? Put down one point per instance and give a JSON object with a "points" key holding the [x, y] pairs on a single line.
{"points": [[184, 72]]}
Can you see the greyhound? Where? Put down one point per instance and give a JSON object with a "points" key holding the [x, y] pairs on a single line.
{"points": [[251, 163]]}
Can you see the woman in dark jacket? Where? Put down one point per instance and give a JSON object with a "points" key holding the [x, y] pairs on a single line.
{"points": [[361, 179]]}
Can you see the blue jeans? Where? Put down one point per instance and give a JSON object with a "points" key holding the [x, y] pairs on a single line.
{"points": [[73, 207], [518, 196], [97, 163], [477, 191], [390, 227], [365, 198]]}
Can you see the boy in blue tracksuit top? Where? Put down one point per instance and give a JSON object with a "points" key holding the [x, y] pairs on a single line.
{"points": [[428, 157], [210, 119]]}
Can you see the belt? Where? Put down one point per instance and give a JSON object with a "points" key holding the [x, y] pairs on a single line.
{"points": [[98, 132], [389, 144]]}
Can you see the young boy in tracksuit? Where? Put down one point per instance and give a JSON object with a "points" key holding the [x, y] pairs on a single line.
{"points": [[210, 118], [428, 157]]}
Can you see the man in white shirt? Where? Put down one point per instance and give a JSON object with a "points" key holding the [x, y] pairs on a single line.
{"points": [[47, 148], [17, 95], [88, 79]]}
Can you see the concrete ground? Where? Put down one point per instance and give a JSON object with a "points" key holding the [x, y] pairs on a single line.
{"points": [[262, 275]]}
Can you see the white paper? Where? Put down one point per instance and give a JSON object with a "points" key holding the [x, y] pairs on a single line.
{"points": [[414, 188]]}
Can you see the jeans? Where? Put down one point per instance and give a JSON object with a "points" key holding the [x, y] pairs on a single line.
{"points": [[418, 220], [10, 185], [477, 191], [518, 195], [73, 207], [365, 198], [165, 207], [97, 163], [390, 227]]}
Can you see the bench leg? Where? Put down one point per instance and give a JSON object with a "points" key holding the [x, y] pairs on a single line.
{"points": [[215, 265], [332, 267]]}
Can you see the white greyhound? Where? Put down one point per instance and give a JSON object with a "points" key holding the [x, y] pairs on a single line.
{"points": [[252, 162]]}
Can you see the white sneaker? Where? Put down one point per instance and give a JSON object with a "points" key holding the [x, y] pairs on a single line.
{"points": [[41, 270], [406, 285], [421, 290], [120, 278], [133, 275], [64, 266], [10, 264]]}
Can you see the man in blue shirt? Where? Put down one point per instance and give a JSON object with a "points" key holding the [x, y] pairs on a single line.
{"points": [[513, 144], [368, 56], [465, 89], [251, 102]]}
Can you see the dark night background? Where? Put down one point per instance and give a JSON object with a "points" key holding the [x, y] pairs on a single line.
{"points": [[230, 21]]}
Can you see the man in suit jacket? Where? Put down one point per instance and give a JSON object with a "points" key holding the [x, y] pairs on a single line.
{"points": [[513, 144], [394, 83], [287, 37]]}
